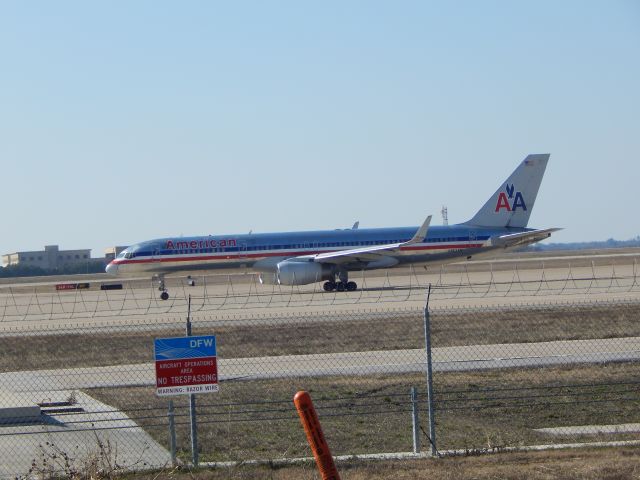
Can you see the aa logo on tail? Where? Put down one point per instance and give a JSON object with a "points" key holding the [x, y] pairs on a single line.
{"points": [[510, 200]]}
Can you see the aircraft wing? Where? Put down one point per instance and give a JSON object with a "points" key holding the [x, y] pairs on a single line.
{"points": [[520, 239], [370, 254]]}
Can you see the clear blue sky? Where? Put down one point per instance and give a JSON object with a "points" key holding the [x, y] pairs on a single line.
{"points": [[125, 121]]}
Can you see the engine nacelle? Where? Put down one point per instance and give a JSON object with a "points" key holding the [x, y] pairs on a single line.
{"points": [[268, 278], [292, 272]]}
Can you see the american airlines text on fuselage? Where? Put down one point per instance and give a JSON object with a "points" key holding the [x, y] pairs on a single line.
{"points": [[193, 244]]}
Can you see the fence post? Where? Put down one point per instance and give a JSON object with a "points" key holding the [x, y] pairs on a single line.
{"points": [[192, 404], [427, 341], [172, 433], [315, 437], [416, 420]]}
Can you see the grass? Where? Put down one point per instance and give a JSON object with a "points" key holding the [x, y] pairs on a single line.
{"points": [[256, 419], [248, 420], [357, 331], [621, 463], [501, 407]]}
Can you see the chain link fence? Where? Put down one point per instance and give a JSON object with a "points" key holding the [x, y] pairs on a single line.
{"points": [[82, 396], [537, 375]]}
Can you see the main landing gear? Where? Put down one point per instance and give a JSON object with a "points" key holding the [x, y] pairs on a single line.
{"points": [[343, 284], [330, 286]]}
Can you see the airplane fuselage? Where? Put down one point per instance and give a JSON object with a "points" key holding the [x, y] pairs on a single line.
{"points": [[263, 250]]}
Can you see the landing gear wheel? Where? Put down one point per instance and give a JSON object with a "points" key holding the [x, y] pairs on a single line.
{"points": [[164, 296], [329, 286], [351, 286], [340, 286]]}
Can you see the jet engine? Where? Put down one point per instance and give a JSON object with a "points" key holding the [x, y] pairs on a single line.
{"points": [[296, 272], [267, 278]]}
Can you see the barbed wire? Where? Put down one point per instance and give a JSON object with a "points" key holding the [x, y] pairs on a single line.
{"points": [[334, 407]]}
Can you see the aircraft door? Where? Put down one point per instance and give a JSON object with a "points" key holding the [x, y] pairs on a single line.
{"points": [[242, 254], [156, 258]]}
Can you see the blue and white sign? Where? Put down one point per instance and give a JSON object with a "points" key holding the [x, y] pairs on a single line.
{"points": [[185, 347]]}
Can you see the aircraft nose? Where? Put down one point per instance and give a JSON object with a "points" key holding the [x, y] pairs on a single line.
{"points": [[112, 269]]}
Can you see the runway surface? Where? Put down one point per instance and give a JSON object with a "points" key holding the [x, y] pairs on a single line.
{"points": [[535, 280], [27, 310], [449, 359]]}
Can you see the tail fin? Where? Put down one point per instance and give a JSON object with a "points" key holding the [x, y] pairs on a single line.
{"points": [[512, 203]]}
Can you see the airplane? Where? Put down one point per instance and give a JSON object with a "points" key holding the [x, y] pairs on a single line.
{"points": [[301, 258]]}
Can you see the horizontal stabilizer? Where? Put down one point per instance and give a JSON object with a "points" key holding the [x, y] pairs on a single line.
{"points": [[520, 239]]}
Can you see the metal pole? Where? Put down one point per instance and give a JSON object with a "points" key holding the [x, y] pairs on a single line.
{"points": [[427, 341], [192, 403], [172, 433], [416, 420]]}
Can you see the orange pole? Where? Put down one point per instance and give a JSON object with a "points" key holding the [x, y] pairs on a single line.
{"points": [[315, 437]]}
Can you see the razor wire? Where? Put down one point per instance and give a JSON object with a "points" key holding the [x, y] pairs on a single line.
{"points": [[20, 303]]}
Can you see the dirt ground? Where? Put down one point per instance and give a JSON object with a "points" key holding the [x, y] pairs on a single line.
{"points": [[597, 463]]}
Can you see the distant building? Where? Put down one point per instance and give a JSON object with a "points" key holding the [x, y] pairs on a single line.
{"points": [[112, 252], [49, 259]]}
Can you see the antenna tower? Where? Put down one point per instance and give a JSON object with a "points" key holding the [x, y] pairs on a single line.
{"points": [[445, 217]]}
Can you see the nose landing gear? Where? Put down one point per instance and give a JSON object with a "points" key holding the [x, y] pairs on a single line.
{"points": [[159, 279], [161, 286]]}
